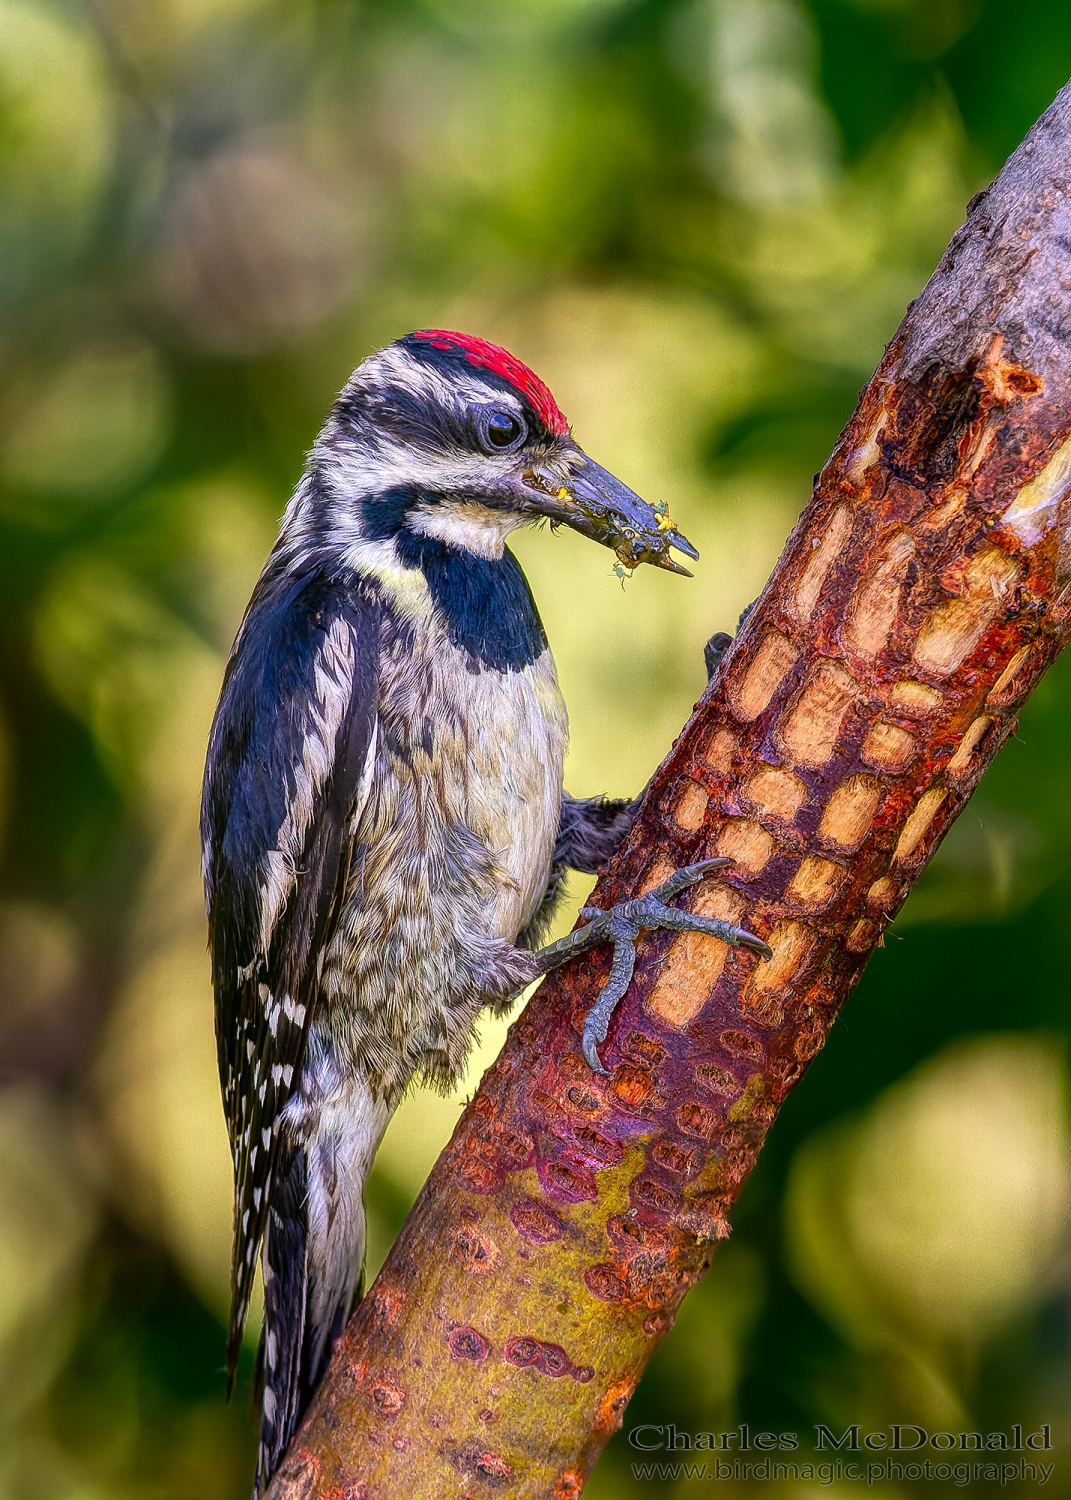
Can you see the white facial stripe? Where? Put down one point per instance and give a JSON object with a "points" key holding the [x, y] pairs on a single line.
{"points": [[393, 366], [390, 466], [474, 527]]}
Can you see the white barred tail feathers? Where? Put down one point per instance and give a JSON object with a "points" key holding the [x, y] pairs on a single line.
{"points": [[278, 1379]]}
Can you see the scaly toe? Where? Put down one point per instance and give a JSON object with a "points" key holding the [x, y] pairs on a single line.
{"points": [[688, 875]]}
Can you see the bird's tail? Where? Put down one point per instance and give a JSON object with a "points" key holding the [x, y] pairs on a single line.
{"points": [[285, 1264], [313, 1255], [299, 1330]]}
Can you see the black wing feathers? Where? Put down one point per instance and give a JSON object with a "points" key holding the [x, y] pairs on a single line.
{"points": [[289, 744]]}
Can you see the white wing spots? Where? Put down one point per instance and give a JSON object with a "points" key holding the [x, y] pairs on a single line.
{"points": [[265, 1136], [257, 1197], [272, 1349], [278, 883], [248, 1052], [262, 1091], [295, 1013], [269, 1404]]}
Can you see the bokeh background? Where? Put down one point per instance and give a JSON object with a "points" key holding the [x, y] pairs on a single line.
{"points": [[700, 220]]}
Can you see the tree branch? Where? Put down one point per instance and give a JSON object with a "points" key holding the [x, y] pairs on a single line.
{"points": [[920, 598]]}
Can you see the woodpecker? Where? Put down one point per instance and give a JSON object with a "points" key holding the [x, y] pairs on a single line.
{"points": [[384, 828]]}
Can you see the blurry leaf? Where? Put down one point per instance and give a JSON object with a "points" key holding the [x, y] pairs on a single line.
{"points": [[257, 247], [793, 425], [922, 1227], [159, 1092], [834, 277], [48, 1217], [958, 1204], [522, 20], [199, 548], [97, 424], [56, 130], [38, 958], [113, 654], [991, 865], [5, 768], [699, 1363], [771, 139], [924, 28]]}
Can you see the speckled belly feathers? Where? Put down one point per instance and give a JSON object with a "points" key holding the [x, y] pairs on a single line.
{"points": [[452, 854]]}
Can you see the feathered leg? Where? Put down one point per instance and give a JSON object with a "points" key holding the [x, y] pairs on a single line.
{"points": [[589, 832]]}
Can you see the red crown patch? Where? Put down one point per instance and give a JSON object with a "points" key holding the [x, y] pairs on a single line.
{"points": [[490, 357]]}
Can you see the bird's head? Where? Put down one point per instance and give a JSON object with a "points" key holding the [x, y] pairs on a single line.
{"points": [[445, 436]]}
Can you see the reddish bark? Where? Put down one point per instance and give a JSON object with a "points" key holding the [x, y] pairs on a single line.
{"points": [[917, 603]]}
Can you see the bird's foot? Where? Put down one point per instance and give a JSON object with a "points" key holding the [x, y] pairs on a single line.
{"points": [[714, 652], [622, 925], [715, 649]]}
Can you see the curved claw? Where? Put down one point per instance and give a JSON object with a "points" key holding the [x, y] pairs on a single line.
{"points": [[741, 938], [588, 1046], [690, 921]]}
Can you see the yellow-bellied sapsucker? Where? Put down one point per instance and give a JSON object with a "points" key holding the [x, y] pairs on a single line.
{"points": [[383, 820]]}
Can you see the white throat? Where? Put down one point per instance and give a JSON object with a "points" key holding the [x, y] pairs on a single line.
{"points": [[476, 528]]}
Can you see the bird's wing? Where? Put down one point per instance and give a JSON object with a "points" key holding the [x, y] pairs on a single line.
{"points": [[289, 762]]}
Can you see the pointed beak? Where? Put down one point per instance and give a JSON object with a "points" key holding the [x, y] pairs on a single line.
{"points": [[593, 502]]}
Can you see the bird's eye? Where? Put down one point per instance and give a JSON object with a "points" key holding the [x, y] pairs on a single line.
{"points": [[503, 429]]}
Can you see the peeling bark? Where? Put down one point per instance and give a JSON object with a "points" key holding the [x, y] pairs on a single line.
{"points": [[921, 596]]}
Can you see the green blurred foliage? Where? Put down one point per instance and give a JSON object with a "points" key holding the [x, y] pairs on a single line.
{"points": [[700, 220]]}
